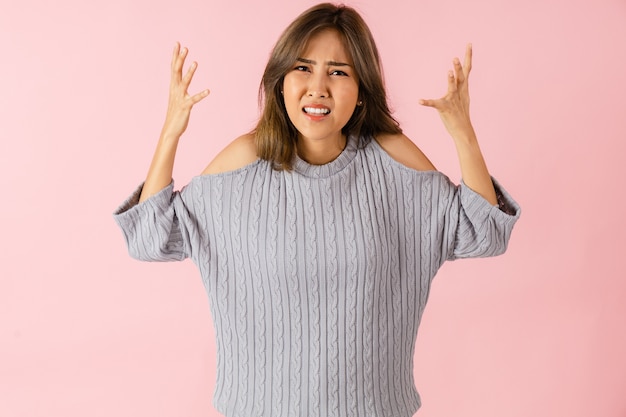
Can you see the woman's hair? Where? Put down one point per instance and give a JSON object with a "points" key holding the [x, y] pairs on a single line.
{"points": [[276, 136]]}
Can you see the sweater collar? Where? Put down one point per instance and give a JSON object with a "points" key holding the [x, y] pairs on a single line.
{"points": [[324, 171]]}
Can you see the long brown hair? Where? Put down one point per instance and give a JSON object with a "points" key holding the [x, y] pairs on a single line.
{"points": [[276, 136]]}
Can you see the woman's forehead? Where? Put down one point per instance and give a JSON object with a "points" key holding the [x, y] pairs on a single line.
{"points": [[327, 44]]}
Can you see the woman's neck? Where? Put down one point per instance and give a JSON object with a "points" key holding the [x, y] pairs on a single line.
{"points": [[321, 151]]}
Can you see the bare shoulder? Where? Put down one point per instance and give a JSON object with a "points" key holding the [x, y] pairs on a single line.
{"points": [[239, 153], [404, 151]]}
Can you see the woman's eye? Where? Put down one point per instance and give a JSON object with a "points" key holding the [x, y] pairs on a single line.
{"points": [[338, 72], [301, 68]]}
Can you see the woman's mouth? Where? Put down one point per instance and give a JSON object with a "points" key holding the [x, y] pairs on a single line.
{"points": [[316, 111]]}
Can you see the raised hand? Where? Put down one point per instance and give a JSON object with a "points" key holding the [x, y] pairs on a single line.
{"points": [[453, 107], [180, 101], [454, 111], [178, 110]]}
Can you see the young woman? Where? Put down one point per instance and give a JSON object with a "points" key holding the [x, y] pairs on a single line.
{"points": [[317, 235]]}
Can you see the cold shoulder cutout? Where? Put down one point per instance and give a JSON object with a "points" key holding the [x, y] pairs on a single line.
{"points": [[404, 151], [237, 154]]}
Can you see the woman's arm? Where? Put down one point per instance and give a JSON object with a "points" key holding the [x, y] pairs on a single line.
{"points": [[454, 111], [179, 107]]}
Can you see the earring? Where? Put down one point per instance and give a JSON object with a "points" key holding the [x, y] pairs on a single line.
{"points": [[360, 103]]}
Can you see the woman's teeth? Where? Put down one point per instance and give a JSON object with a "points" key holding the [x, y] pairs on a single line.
{"points": [[315, 110]]}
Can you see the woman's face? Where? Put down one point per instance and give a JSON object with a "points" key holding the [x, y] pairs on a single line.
{"points": [[322, 89]]}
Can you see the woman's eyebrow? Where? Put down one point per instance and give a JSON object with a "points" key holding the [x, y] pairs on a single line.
{"points": [[328, 63]]}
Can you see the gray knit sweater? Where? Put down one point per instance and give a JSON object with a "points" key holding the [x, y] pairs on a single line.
{"points": [[317, 278]]}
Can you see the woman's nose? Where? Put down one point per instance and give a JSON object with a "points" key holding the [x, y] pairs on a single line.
{"points": [[317, 86]]}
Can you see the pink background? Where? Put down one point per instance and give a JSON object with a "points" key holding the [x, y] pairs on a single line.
{"points": [[86, 331]]}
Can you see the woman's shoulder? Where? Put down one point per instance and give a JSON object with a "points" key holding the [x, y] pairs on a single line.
{"points": [[400, 148], [239, 153]]}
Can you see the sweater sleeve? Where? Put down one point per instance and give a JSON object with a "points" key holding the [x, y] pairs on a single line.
{"points": [[475, 228], [156, 229]]}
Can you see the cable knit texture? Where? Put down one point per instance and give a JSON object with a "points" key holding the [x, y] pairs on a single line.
{"points": [[317, 278]]}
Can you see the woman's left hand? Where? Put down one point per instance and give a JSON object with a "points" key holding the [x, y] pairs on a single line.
{"points": [[454, 106], [454, 111]]}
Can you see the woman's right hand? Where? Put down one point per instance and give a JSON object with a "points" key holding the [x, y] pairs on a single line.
{"points": [[180, 101], [178, 110]]}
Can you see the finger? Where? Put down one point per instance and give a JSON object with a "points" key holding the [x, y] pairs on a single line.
{"points": [[175, 53], [458, 71], [179, 61], [451, 82], [431, 103], [198, 97], [189, 75], [467, 65]]}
